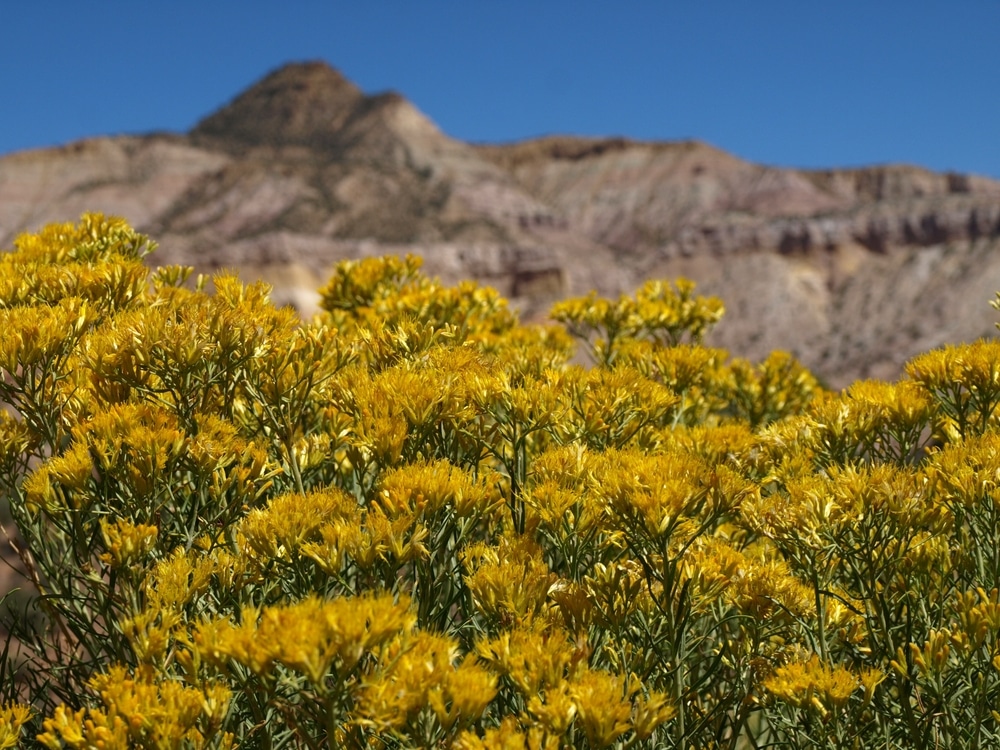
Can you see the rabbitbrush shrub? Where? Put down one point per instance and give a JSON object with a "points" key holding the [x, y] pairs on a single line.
{"points": [[412, 522]]}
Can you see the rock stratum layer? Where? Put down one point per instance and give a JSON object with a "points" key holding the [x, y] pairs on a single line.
{"points": [[852, 270]]}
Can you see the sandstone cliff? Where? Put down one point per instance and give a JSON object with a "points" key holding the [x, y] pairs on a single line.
{"points": [[854, 270]]}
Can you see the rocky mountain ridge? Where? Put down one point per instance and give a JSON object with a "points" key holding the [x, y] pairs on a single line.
{"points": [[853, 270]]}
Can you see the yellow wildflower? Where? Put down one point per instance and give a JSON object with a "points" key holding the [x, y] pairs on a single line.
{"points": [[291, 520], [140, 710], [176, 580], [59, 483], [534, 657], [812, 685], [12, 717], [40, 335], [509, 581], [150, 632], [964, 381], [425, 488], [313, 636], [126, 542], [603, 706], [510, 735]]}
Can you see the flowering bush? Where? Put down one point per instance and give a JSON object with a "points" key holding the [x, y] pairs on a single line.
{"points": [[414, 522]]}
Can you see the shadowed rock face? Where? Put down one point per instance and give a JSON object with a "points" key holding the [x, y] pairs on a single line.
{"points": [[305, 105], [854, 271]]}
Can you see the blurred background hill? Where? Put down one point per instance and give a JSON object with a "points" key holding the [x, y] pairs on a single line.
{"points": [[853, 270], [830, 171]]}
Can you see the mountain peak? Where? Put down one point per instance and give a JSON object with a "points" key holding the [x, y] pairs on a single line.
{"points": [[297, 104]]}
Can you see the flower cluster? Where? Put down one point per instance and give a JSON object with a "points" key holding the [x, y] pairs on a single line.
{"points": [[414, 522]]}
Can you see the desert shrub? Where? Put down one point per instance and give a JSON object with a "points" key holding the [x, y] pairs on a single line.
{"points": [[414, 522]]}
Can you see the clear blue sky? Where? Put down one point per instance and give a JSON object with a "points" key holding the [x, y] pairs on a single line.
{"points": [[798, 83]]}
